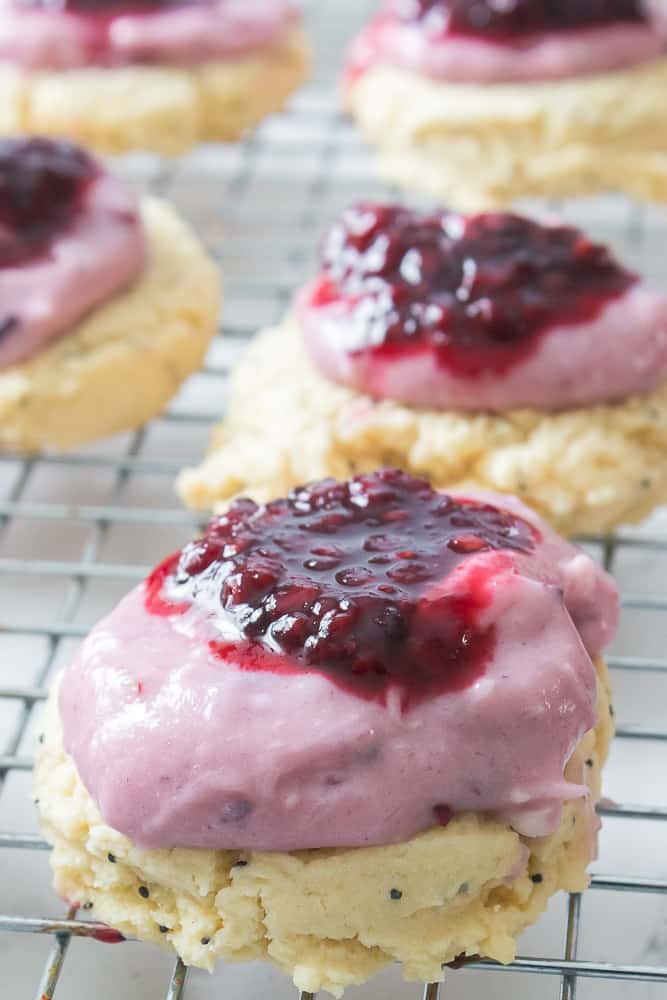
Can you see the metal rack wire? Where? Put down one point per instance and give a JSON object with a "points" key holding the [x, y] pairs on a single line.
{"points": [[73, 536]]}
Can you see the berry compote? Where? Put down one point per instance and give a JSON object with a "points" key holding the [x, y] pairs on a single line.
{"points": [[43, 183], [502, 20], [354, 579], [478, 291]]}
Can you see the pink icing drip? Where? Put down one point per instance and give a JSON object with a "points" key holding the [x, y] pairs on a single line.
{"points": [[548, 56], [191, 33], [98, 255], [622, 352], [180, 748]]}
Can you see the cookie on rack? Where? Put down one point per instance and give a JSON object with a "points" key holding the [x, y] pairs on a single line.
{"points": [[159, 75], [360, 724], [480, 103], [107, 305], [488, 350]]}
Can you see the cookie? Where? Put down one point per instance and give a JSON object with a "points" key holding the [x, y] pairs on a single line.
{"points": [[121, 364], [486, 350], [328, 918], [586, 470], [479, 106], [165, 109], [446, 650]]}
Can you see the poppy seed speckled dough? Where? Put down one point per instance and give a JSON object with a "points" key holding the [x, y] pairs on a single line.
{"points": [[445, 651]]}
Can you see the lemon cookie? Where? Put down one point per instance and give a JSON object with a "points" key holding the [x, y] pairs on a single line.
{"points": [[163, 77], [439, 794], [486, 350], [106, 307], [480, 105]]}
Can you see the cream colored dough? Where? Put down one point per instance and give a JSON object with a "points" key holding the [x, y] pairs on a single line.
{"points": [[484, 146], [160, 108], [122, 364], [326, 917], [584, 470]]}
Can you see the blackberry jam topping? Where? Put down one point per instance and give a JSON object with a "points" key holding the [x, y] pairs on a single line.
{"points": [[477, 291], [502, 20], [42, 185], [352, 579]]}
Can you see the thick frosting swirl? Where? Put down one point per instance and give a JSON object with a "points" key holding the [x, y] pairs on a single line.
{"points": [[185, 735], [71, 237], [51, 36]]}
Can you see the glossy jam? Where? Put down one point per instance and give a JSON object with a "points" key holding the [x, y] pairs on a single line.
{"points": [[513, 19], [42, 187], [359, 580], [476, 291]]}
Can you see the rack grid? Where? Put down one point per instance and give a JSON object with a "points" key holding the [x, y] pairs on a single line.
{"points": [[73, 537]]}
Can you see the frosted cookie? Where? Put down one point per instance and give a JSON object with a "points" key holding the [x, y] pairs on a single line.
{"points": [[360, 724], [487, 350], [105, 306], [480, 103], [161, 75]]}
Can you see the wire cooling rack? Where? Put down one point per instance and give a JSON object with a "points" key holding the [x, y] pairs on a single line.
{"points": [[77, 531]]}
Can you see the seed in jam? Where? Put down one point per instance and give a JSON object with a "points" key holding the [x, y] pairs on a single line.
{"points": [[350, 579], [507, 19], [477, 291], [42, 184]]}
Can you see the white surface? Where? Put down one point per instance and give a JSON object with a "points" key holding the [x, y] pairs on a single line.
{"points": [[270, 199]]}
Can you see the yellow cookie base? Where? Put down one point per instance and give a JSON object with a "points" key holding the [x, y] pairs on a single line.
{"points": [[121, 365], [159, 108], [325, 917], [479, 146], [584, 470]]}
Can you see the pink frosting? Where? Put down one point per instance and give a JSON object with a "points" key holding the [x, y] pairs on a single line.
{"points": [[179, 747], [99, 254], [622, 352], [193, 32], [548, 56]]}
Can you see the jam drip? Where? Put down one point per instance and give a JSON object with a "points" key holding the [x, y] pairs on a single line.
{"points": [[353, 579], [516, 18], [477, 291], [42, 186]]}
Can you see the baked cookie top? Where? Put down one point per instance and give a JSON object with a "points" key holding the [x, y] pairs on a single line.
{"points": [[524, 40], [71, 237], [483, 312], [349, 665], [42, 35]]}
